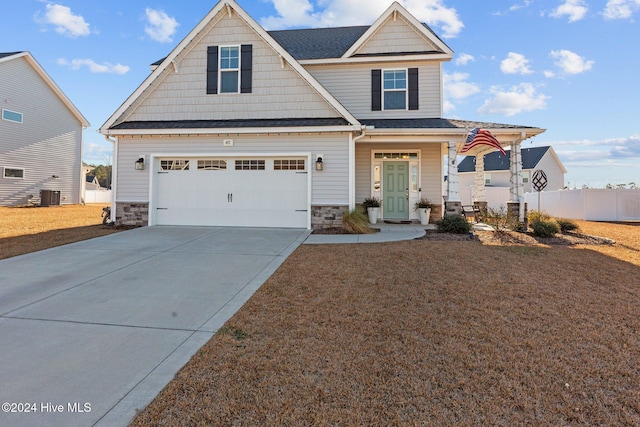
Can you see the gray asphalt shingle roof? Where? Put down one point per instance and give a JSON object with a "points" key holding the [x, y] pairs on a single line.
{"points": [[496, 161], [318, 43], [224, 124], [435, 123], [5, 54]]}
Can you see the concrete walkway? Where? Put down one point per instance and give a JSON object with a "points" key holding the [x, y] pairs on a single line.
{"points": [[388, 233], [92, 331]]}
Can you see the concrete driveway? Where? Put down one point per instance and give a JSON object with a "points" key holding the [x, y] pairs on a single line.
{"points": [[92, 331]]}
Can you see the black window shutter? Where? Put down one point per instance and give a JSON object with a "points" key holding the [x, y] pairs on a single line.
{"points": [[413, 89], [212, 70], [376, 90], [246, 67]]}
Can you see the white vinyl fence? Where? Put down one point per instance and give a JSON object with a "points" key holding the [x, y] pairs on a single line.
{"points": [[588, 204], [97, 196]]}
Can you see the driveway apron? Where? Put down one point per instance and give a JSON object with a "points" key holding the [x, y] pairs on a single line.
{"points": [[92, 331]]}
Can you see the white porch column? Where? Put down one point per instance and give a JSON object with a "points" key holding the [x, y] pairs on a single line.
{"points": [[453, 184], [481, 194], [516, 204], [517, 188]]}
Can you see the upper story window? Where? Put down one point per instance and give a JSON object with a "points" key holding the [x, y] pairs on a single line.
{"points": [[525, 177], [395, 89], [229, 69], [11, 116]]}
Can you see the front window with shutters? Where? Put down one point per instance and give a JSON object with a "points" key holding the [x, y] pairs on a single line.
{"points": [[394, 84], [229, 69]]}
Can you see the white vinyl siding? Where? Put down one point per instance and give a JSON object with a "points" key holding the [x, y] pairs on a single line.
{"points": [[47, 143], [328, 187], [396, 36], [351, 85], [277, 92], [430, 168]]}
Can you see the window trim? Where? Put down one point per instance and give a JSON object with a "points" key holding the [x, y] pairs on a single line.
{"points": [[405, 90], [4, 172], [229, 70], [11, 120]]}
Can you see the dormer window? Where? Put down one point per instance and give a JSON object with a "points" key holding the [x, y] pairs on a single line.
{"points": [[229, 69], [395, 89]]}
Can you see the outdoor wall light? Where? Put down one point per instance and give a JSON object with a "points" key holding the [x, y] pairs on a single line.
{"points": [[55, 176], [319, 163], [140, 164]]}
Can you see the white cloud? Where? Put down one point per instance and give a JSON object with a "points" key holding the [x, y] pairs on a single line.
{"points": [[161, 27], [574, 9], [518, 99], [570, 62], [549, 74], [94, 67], [524, 5], [515, 63], [620, 9], [64, 21], [301, 13], [456, 86], [464, 59]]}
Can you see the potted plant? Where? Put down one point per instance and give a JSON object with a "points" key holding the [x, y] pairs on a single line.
{"points": [[372, 206], [423, 206]]}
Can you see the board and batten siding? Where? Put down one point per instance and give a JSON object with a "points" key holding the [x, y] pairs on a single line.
{"points": [[47, 143], [396, 36], [351, 85], [180, 92], [328, 187], [430, 167]]}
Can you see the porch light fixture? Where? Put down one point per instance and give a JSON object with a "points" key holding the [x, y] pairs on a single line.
{"points": [[140, 164], [319, 164]]}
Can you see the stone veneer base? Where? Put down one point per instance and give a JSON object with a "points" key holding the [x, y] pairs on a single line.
{"points": [[132, 214]]}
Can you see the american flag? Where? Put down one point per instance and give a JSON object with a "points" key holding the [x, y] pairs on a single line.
{"points": [[479, 136]]}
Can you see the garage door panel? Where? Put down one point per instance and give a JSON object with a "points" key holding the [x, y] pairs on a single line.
{"points": [[230, 197]]}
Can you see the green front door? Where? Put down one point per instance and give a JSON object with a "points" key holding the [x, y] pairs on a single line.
{"points": [[395, 203]]}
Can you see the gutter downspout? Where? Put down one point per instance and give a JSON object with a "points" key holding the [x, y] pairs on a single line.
{"points": [[352, 167], [114, 173]]}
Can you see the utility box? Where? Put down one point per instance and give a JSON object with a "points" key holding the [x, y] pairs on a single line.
{"points": [[49, 198]]}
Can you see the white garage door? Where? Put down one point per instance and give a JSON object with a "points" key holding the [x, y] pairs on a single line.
{"points": [[243, 191]]}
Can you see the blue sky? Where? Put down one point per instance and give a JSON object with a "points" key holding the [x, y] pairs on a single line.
{"points": [[569, 66]]}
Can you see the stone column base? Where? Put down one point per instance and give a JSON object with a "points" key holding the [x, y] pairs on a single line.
{"points": [[513, 210], [132, 214]]}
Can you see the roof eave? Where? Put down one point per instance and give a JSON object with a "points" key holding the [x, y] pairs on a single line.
{"points": [[377, 59], [231, 131]]}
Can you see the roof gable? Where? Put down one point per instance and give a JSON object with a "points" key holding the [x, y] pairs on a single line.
{"points": [[496, 161], [10, 56], [396, 32], [232, 21]]}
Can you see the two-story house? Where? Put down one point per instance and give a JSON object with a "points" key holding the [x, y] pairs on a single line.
{"points": [[40, 135], [239, 126]]}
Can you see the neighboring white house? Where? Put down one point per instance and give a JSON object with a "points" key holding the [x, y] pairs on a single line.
{"points": [[243, 127], [40, 135]]}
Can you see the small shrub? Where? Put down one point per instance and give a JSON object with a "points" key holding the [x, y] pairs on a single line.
{"points": [[566, 225], [500, 220], [356, 222], [455, 224], [534, 216], [371, 202], [544, 228]]}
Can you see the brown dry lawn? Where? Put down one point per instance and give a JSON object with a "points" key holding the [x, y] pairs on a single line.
{"points": [[25, 230], [427, 333]]}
